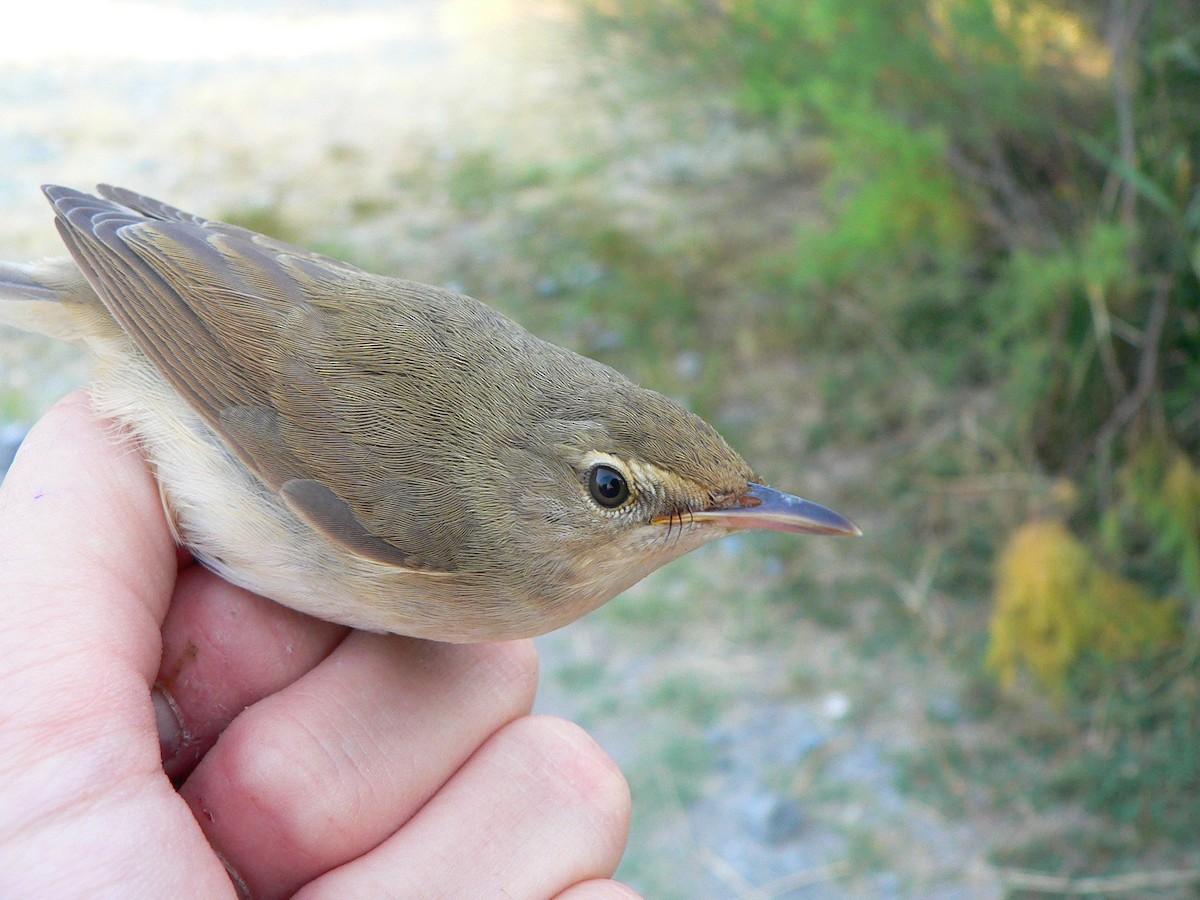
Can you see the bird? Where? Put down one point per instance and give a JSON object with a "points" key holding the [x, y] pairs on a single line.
{"points": [[384, 454]]}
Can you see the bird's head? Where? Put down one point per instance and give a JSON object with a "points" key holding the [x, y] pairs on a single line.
{"points": [[629, 481]]}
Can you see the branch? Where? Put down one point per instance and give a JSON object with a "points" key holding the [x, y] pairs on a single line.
{"points": [[1021, 879], [1123, 24], [1147, 369]]}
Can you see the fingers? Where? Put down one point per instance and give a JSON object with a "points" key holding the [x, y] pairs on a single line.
{"points": [[86, 565], [537, 809], [599, 889], [319, 773], [84, 547], [86, 570], [225, 649]]}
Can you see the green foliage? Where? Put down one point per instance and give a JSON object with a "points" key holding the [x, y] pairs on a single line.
{"points": [[474, 182], [1154, 526], [689, 696], [1142, 766], [477, 180], [668, 777], [1040, 323], [1012, 206], [608, 293], [581, 676]]}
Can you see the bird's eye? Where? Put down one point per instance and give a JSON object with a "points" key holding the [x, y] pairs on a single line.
{"points": [[608, 487]]}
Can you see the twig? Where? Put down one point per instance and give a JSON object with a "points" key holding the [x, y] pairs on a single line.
{"points": [[1012, 212], [804, 878], [1102, 322], [1124, 19], [978, 484], [730, 876], [1115, 884], [849, 306], [1147, 368]]}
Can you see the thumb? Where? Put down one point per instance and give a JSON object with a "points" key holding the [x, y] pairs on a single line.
{"points": [[87, 567], [87, 564]]}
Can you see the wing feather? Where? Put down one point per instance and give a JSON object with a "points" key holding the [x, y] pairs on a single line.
{"points": [[209, 304]]}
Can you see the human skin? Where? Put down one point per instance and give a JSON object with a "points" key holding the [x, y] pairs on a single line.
{"points": [[308, 759]]}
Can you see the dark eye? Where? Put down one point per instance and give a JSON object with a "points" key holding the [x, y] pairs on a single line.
{"points": [[608, 487]]}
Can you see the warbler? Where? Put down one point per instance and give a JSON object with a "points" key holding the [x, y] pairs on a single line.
{"points": [[372, 451]]}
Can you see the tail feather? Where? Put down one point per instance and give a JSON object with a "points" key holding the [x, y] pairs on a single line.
{"points": [[19, 281], [51, 297]]}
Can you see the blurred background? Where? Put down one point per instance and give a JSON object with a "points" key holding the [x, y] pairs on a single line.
{"points": [[932, 263]]}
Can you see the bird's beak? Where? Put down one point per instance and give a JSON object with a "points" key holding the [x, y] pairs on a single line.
{"points": [[763, 508]]}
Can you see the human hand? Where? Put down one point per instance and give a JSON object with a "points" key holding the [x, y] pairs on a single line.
{"points": [[348, 764]]}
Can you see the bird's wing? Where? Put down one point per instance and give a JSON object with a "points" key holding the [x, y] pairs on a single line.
{"points": [[210, 305], [163, 212]]}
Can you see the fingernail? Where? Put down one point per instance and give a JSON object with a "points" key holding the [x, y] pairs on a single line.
{"points": [[170, 725], [239, 883]]}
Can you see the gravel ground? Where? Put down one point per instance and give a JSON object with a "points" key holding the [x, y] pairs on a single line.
{"points": [[744, 786]]}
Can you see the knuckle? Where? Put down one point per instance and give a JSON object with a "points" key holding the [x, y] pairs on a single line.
{"points": [[280, 783], [582, 776]]}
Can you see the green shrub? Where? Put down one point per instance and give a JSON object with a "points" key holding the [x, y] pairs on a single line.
{"points": [[1013, 207]]}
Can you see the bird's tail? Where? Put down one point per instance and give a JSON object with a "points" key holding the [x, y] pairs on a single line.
{"points": [[46, 297], [21, 281]]}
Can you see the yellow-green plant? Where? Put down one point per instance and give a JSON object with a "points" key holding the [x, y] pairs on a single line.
{"points": [[1055, 601]]}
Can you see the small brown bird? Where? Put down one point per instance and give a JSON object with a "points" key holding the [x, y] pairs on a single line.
{"points": [[372, 451]]}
